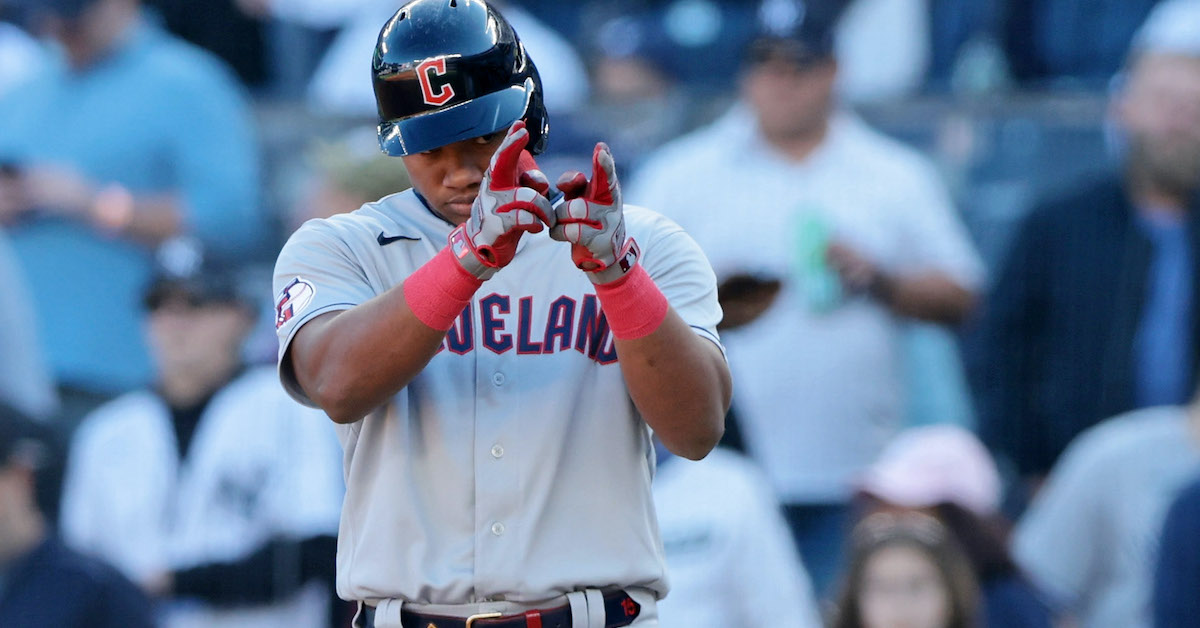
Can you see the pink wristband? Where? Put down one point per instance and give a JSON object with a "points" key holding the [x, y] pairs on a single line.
{"points": [[633, 304], [438, 291]]}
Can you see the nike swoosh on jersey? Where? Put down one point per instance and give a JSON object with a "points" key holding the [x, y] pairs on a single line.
{"points": [[385, 240]]}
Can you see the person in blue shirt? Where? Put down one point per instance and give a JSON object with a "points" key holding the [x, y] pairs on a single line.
{"points": [[42, 582], [130, 137]]}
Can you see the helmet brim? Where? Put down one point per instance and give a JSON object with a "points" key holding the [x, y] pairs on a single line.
{"points": [[480, 116]]}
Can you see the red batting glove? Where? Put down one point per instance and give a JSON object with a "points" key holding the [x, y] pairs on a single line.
{"points": [[593, 220], [511, 202]]}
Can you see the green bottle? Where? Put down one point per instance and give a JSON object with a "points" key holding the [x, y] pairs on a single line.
{"points": [[820, 286]]}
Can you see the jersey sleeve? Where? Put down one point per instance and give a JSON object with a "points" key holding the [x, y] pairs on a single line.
{"points": [[681, 271], [317, 272]]}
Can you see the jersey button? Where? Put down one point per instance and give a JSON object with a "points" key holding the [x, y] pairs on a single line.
{"points": [[497, 528], [497, 451], [498, 378]]}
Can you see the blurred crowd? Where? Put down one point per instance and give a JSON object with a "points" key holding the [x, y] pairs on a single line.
{"points": [[956, 244]]}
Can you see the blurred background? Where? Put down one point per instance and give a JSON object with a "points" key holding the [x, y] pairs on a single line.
{"points": [[1032, 166]]}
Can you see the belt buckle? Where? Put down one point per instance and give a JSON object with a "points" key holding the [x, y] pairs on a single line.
{"points": [[473, 618]]}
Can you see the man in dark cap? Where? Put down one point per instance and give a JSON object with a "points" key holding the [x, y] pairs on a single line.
{"points": [[42, 583], [828, 239], [213, 489]]}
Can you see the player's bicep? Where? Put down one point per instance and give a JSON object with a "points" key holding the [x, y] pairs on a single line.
{"points": [[300, 363], [681, 271]]}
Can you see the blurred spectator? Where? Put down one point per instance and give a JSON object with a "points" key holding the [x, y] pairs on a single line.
{"points": [[1089, 537], [882, 45], [346, 174], [731, 558], [297, 34], [906, 570], [42, 583], [128, 138], [965, 53], [1069, 43], [1177, 575], [1094, 309], [825, 237], [222, 27], [213, 490], [20, 55], [637, 103], [317, 14], [1039, 44], [25, 382], [946, 472], [337, 87]]}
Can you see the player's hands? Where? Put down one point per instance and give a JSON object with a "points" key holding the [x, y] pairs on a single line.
{"points": [[511, 202], [593, 221]]}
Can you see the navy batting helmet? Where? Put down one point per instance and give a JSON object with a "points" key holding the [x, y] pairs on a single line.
{"points": [[450, 70]]}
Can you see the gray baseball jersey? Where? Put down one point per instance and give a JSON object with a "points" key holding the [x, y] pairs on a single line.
{"points": [[514, 466]]}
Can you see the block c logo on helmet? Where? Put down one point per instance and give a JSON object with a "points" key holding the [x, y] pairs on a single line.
{"points": [[425, 73]]}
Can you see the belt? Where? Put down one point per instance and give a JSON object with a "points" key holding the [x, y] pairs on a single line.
{"points": [[619, 610]]}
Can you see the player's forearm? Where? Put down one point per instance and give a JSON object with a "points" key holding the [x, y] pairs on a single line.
{"points": [[352, 362], [678, 381], [680, 385], [931, 297]]}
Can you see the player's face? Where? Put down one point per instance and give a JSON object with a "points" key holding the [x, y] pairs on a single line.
{"points": [[902, 588], [449, 177]]}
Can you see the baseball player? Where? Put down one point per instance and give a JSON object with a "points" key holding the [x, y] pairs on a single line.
{"points": [[493, 361]]}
